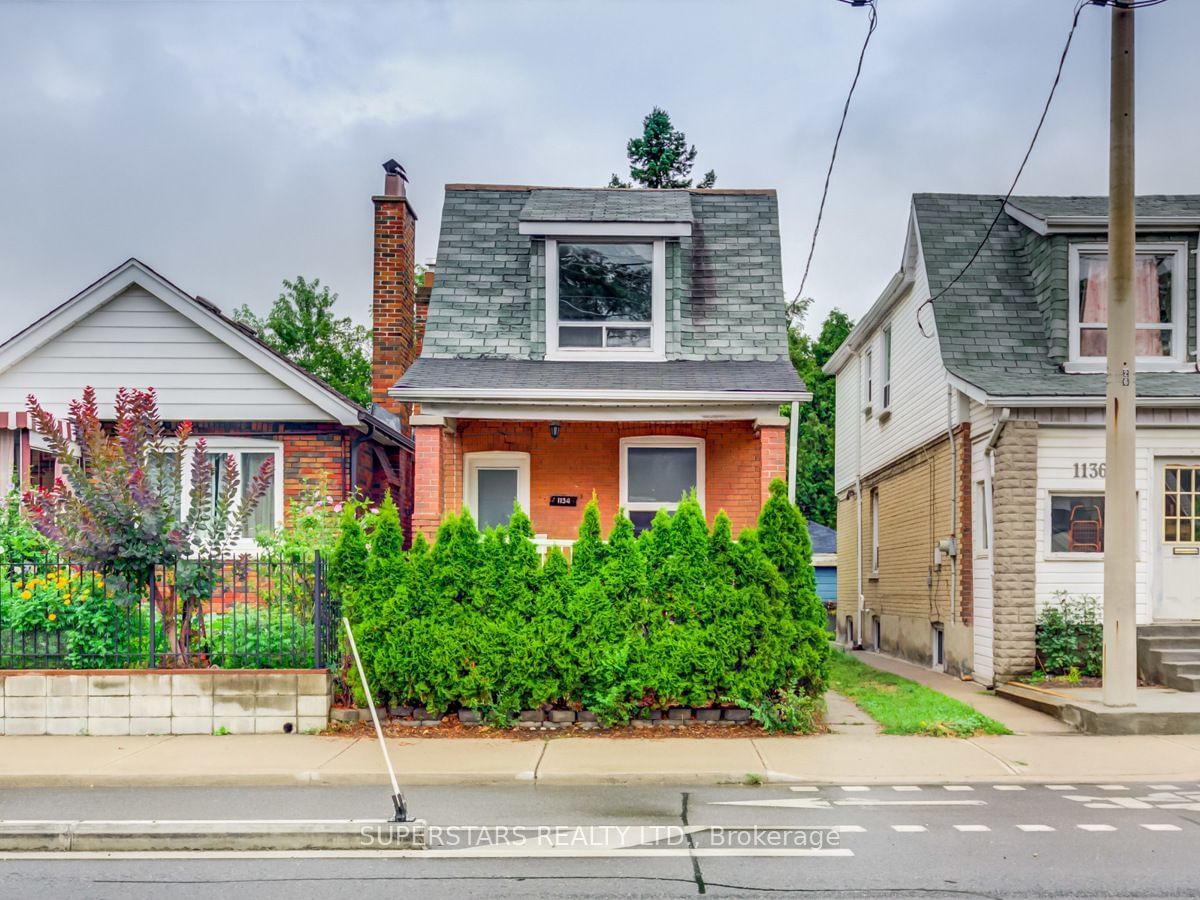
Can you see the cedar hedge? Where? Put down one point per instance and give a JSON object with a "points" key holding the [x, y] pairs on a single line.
{"points": [[678, 616]]}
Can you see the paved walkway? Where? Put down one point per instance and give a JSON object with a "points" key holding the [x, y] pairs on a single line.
{"points": [[1018, 719], [833, 759]]}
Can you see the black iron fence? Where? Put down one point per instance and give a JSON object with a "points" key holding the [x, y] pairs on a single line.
{"points": [[243, 612]]}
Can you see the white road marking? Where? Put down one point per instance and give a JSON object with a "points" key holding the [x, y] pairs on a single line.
{"points": [[958, 787], [1007, 787], [1036, 827], [906, 787], [820, 803], [855, 801], [470, 853], [909, 829], [855, 787], [1112, 787], [1061, 787], [972, 828], [1162, 827], [1097, 827], [805, 787], [1164, 787]]}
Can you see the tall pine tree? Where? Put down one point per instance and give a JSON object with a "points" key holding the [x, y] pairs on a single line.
{"points": [[661, 157]]}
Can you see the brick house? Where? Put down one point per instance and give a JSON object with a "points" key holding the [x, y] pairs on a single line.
{"points": [[627, 343], [970, 434], [134, 328]]}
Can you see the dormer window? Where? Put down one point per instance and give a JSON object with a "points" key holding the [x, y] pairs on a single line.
{"points": [[605, 298], [1160, 304]]}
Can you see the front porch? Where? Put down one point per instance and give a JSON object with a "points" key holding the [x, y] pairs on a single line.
{"points": [[552, 467]]}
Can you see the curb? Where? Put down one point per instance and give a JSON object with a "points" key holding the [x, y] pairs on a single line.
{"points": [[253, 835]]}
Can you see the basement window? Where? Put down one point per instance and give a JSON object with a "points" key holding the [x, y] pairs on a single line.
{"points": [[605, 299]]}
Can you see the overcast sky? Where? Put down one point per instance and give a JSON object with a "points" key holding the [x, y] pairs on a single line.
{"points": [[231, 145]]}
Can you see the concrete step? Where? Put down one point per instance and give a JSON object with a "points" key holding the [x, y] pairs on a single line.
{"points": [[1182, 655], [1181, 668], [1182, 682], [1167, 642], [1173, 629]]}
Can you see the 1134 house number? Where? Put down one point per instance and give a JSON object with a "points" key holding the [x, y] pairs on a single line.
{"points": [[1089, 470]]}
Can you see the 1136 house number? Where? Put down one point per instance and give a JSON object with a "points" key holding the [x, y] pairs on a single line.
{"points": [[1089, 470]]}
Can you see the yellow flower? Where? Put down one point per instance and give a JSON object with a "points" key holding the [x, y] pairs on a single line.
{"points": [[52, 617], [66, 601], [26, 595], [62, 584]]}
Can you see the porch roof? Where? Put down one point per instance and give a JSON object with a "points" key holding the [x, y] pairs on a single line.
{"points": [[523, 379]]}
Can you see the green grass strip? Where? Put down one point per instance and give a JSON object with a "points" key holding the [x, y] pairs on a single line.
{"points": [[901, 706]]}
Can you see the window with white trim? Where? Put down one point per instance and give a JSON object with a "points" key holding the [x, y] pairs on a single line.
{"points": [[1160, 303], [656, 471], [605, 298], [874, 531], [983, 518], [868, 380], [886, 368], [493, 481], [249, 455]]}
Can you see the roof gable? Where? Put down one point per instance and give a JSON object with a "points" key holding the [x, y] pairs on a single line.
{"points": [[134, 328]]}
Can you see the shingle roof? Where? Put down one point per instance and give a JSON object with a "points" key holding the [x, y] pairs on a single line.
{"points": [[1003, 326], [1164, 205], [489, 375], [573, 205], [824, 538]]}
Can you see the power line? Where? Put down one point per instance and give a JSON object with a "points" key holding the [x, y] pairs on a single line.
{"points": [[1079, 7], [872, 21]]}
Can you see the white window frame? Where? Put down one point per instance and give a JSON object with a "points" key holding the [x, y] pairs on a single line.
{"points": [[237, 446], [874, 496], [886, 368], [658, 302], [659, 440], [1086, 488], [983, 506], [1179, 309], [495, 459], [869, 381]]}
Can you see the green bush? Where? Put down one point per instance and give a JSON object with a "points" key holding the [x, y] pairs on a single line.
{"points": [[677, 616], [1070, 636]]}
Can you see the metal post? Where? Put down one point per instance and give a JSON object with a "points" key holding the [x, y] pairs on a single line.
{"points": [[316, 616], [397, 798], [153, 604], [1120, 416]]}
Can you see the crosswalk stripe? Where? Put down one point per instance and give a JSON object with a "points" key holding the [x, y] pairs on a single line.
{"points": [[909, 828], [1091, 827], [972, 828], [1061, 787], [906, 787], [855, 787], [1036, 827], [1007, 787], [1149, 826], [958, 787]]}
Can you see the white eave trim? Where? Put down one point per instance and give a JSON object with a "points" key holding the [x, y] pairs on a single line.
{"points": [[893, 293], [824, 559], [1094, 224], [606, 229], [134, 272], [550, 395]]}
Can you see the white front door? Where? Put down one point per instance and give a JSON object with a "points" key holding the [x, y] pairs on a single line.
{"points": [[1178, 550]]}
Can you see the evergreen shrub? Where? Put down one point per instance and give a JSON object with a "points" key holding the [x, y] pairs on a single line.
{"points": [[678, 616]]}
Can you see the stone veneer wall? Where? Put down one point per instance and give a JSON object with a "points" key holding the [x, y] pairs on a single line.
{"points": [[1014, 524], [181, 701]]}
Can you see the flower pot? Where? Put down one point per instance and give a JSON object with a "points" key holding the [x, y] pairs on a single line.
{"points": [[736, 714], [679, 713], [562, 716], [708, 715]]}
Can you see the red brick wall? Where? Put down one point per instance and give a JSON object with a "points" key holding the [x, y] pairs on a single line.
{"points": [[585, 458], [393, 298], [774, 458]]}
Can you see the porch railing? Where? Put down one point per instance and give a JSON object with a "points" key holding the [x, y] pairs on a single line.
{"points": [[240, 612]]}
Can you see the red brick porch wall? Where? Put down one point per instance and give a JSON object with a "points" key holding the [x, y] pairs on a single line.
{"points": [[740, 461]]}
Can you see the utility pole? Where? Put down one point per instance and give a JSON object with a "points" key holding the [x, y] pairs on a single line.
{"points": [[1120, 414]]}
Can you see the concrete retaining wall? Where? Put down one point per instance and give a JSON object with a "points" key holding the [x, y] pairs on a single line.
{"points": [[181, 701]]}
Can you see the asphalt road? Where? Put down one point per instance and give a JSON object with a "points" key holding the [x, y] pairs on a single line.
{"points": [[1119, 840]]}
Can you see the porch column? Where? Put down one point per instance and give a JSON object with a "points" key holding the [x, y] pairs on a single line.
{"points": [[772, 457], [427, 478]]}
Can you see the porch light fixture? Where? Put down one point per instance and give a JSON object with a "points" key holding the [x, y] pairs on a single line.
{"points": [[555, 428]]}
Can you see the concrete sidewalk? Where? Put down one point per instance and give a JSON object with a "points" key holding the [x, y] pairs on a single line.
{"points": [[838, 759]]}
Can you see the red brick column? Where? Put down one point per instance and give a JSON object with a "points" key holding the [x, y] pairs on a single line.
{"points": [[772, 458], [427, 487]]}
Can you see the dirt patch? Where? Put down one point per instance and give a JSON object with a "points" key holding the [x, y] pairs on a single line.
{"points": [[451, 728]]}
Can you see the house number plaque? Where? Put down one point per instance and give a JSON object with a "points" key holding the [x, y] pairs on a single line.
{"points": [[562, 500]]}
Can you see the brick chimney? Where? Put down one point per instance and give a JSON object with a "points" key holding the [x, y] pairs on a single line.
{"points": [[392, 306], [424, 292]]}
